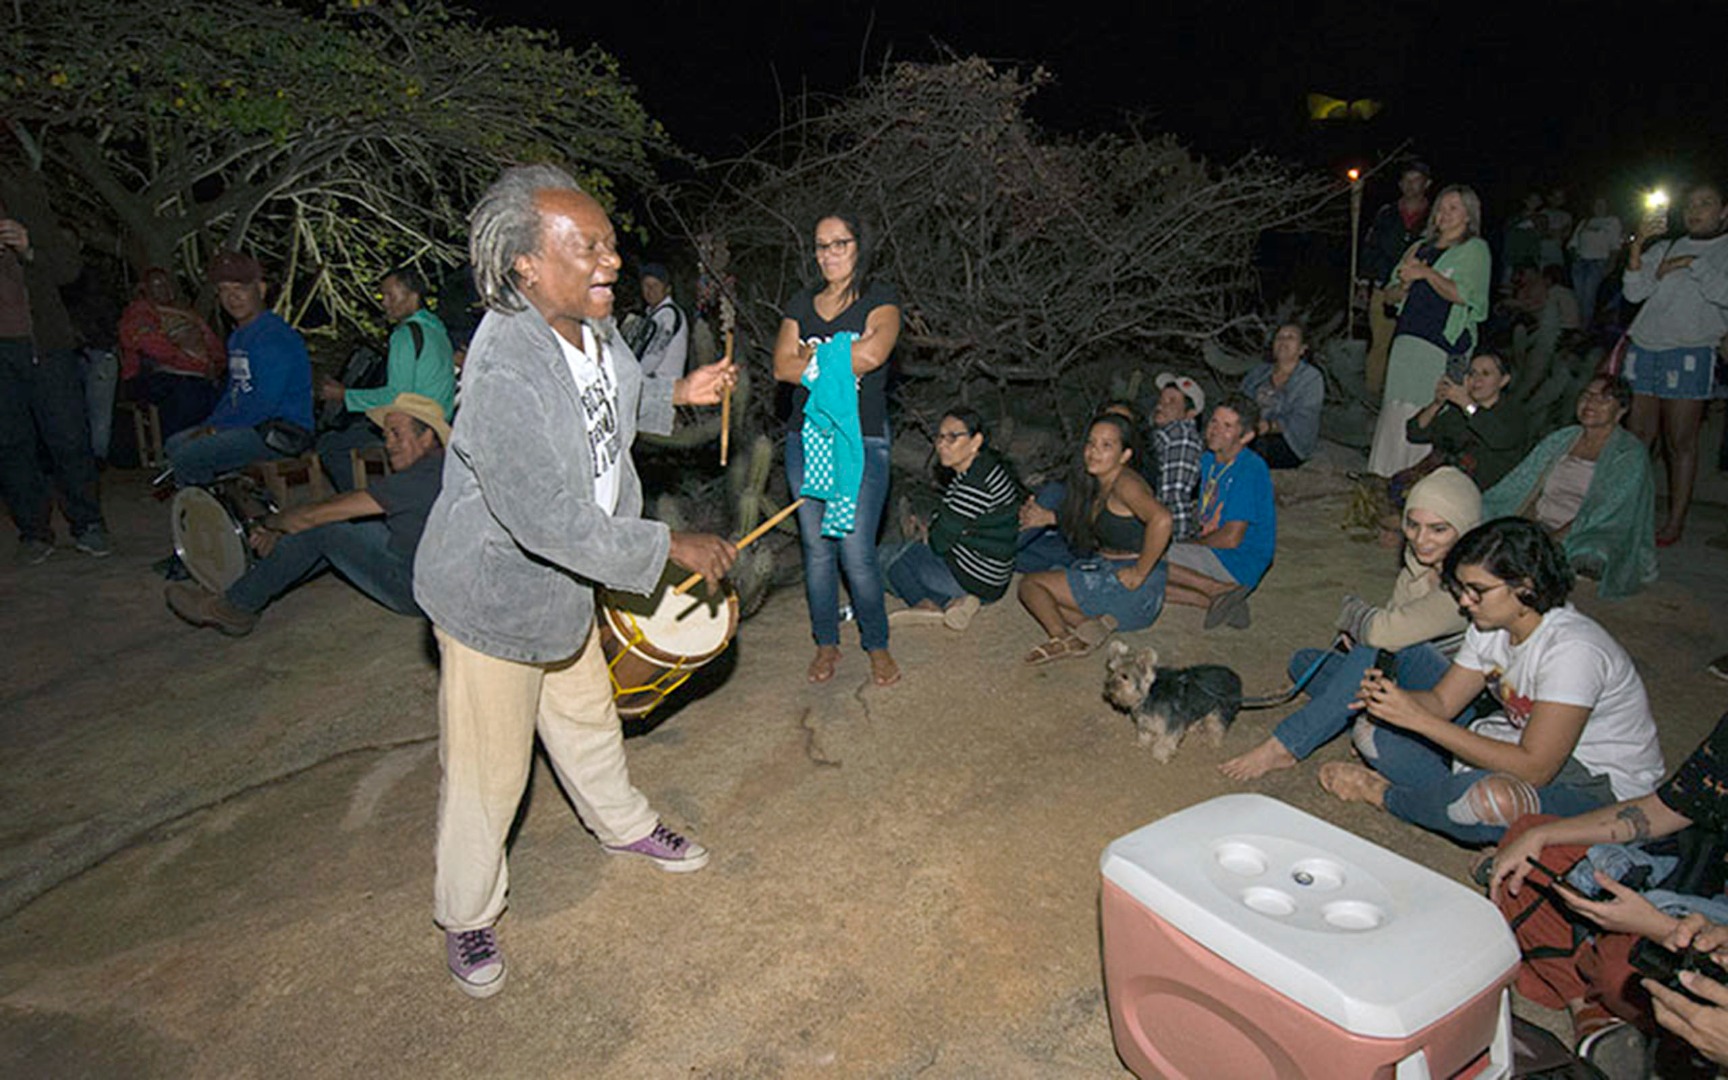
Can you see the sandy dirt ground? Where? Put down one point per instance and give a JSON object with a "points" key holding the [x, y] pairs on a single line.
{"points": [[217, 859]]}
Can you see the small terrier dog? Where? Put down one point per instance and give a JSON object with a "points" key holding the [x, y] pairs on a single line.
{"points": [[1167, 703]]}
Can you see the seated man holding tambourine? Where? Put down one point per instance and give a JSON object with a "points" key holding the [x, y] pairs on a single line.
{"points": [[1592, 897]]}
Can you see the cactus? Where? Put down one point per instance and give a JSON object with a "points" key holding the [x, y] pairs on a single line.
{"points": [[696, 428]]}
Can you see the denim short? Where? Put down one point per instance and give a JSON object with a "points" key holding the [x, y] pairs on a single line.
{"points": [[1098, 591], [1686, 374]]}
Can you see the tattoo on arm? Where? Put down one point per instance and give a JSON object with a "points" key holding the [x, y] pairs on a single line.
{"points": [[1637, 819]]}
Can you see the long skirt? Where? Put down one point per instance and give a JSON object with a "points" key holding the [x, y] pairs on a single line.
{"points": [[1411, 372]]}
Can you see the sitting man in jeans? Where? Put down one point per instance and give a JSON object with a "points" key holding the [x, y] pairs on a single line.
{"points": [[269, 378], [342, 532]]}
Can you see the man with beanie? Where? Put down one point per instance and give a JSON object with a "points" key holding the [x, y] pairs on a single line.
{"points": [[269, 378]]}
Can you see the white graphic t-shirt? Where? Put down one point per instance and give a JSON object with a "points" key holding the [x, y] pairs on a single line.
{"points": [[1571, 660], [597, 391]]}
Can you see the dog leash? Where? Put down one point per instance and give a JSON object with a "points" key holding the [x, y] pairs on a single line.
{"points": [[1295, 688]]}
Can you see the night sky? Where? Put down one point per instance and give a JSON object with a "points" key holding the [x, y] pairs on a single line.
{"points": [[1587, 95]]}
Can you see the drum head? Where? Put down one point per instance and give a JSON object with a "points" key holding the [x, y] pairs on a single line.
{"points": [[692, 628], [208, 539]]}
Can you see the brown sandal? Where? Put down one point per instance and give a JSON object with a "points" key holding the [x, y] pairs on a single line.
{"points": [[1058, 649]]}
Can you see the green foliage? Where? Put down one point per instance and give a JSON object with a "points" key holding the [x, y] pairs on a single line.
{"points": [[335, 142]]}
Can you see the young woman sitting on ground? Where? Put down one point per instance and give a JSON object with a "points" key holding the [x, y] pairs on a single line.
{"points": [[1109, 509], [1575, 732], [1420, 623]]}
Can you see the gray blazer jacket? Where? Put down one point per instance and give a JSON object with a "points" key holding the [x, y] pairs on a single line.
{"points": [[516, 544]]}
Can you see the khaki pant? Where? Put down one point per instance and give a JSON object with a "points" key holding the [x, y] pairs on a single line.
{"points": [[1381, 327], [489, 711]]}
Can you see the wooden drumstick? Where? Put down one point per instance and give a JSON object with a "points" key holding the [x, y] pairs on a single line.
{"points": [[749, 538], [726, 407]]}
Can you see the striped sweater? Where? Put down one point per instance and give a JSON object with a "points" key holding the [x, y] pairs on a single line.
{"points": [[975, 528]]}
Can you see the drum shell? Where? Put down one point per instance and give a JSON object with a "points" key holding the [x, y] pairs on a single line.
{"points": [[209, 524], [646, 671]]}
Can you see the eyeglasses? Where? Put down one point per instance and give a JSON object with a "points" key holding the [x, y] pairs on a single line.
{"points": [[952, 436], [1591, 395], [1461, 590], [834, 245]]}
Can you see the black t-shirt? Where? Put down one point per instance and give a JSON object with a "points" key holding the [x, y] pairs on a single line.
{"points": [[1698, 790], [407, 499], [873, 385]]}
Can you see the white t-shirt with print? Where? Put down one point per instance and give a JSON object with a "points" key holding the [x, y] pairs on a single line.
{"points": [[1571, 660], [597, 394]]}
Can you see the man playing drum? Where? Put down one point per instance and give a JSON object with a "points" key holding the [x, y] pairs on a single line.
{"points": [[540, 505], [343, 532]]}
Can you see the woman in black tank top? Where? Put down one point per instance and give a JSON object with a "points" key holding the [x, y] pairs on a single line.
{"points": [[1110, 510]]}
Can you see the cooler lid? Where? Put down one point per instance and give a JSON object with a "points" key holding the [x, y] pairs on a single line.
{"points": [[1366, 938]]}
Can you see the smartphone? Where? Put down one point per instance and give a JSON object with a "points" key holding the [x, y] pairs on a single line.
{"points": [[1555, 879], [1665, 965], [1387, 662]]}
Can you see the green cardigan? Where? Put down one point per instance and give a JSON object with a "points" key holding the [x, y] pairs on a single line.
{"points": [[1469, 267], [1615, 526]]}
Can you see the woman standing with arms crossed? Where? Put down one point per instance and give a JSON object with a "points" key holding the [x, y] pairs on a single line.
{"points": [[1441, 288], [846, 301]]}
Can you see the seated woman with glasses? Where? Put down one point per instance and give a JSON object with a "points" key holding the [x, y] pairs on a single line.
{"points": [[963, 556], [1574, 732], [1590, 486]]}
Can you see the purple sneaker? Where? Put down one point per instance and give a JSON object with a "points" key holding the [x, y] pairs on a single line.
{"points": [[476, 963], [666, 849]]}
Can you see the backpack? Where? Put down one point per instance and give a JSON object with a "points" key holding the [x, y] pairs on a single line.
{"points": [[643, 332]]}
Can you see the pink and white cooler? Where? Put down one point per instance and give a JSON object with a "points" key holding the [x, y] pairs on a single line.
{"points": [[1246, 939]]}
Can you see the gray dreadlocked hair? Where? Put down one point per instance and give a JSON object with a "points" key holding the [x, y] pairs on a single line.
{"points": [[505, 225]]}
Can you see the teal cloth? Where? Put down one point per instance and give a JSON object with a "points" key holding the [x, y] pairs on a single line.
{"points": [[833, 440], [1615, 526]]}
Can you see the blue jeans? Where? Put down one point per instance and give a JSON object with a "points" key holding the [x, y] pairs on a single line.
{"points": [[1426, 792], [199, 459], [101, 380], [1587, 275], [1333, 687], [853, 554], [42, 396], [916, 573], [1044, 548], [358, 550]]}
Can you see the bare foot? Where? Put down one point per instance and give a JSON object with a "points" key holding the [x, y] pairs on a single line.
{"points": [[826, 660], [1269, 756], [883, 670], [1354, 783], [1668, 535]]}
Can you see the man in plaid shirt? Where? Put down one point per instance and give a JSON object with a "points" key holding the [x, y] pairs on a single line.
{"points": [[1177, 445]]}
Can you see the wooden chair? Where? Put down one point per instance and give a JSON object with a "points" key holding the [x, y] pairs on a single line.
{"points": [[365, 461], [147, 433], [302, 475]]}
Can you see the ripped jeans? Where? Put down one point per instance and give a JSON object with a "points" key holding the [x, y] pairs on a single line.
{"points": [[1426, 792]]}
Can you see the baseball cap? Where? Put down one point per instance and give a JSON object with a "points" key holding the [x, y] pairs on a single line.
{"points": [[1190, 389], [235, 267]]}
